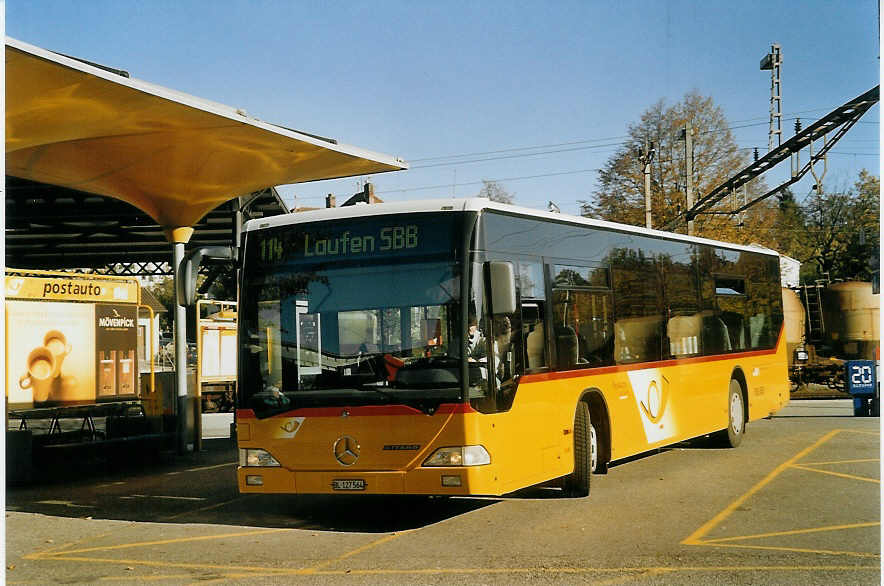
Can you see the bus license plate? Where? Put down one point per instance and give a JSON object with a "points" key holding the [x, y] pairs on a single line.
{"points": [[348, 484]]}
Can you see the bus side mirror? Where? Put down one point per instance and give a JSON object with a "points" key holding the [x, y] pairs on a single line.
{"points": [[502, 284], [187, 271]]}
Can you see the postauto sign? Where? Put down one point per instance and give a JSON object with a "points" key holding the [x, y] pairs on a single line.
{"points": [[71, 289]]}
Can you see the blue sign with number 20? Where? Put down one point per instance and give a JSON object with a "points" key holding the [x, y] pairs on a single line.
{"points": [[861, 379]]}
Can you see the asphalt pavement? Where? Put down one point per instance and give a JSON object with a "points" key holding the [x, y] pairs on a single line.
{"points": [[797, 503]]}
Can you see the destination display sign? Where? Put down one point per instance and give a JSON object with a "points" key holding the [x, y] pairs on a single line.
{"points": [[350, 239]]}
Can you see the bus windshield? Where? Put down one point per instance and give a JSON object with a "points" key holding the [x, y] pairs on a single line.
{"points": [[371, 330]]}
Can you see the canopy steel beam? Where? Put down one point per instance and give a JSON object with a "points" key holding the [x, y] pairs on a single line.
{"points": [[51, 227]]}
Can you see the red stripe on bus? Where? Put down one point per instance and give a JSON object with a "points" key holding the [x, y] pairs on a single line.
{"points": [[456, 408], [361, 411], [578, 372]]}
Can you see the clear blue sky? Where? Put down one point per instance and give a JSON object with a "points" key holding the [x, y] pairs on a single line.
{"points": [[435, 82]]}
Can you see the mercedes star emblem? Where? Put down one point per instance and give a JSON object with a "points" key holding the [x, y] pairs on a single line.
{"points": [[346, 450]]}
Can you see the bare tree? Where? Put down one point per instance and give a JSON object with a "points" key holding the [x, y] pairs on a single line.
{"points": [[493, 191]]}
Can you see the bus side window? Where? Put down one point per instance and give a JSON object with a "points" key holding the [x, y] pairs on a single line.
{"points": [[681, 296], [564, 336], [714, 337], [730, 300], [638, 307], [638, 339], [596, 330], [582, 326]]}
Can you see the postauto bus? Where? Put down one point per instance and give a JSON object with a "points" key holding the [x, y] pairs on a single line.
{"points": [[465, 347]]}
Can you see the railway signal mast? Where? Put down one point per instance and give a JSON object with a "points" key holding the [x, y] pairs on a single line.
{"points": [[773, 61], [830, 128]]}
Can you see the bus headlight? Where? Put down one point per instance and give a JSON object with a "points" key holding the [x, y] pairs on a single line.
{"points": [[459, 456], [256, 458]]}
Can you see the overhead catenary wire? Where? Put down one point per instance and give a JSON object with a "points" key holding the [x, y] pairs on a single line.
{"points": [[553, 148], [448, 185], [547, 149], [515, 149], [468, 183]]}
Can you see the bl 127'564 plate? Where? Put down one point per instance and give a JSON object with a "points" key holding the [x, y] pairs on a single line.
{"points": [[348, 484]]}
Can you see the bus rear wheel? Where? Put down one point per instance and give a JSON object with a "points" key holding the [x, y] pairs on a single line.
{"points": [[577, 483], [736, 425]]}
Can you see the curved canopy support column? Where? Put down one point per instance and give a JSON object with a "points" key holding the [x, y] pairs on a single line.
{"points": [[185, 426]]}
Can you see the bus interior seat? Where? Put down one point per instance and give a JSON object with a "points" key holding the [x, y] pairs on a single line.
{"points": [[534, 347], [638, 338], [419, 374], [566, 345], [759, 330], [683, 332], [733, 321], [715, 336]]}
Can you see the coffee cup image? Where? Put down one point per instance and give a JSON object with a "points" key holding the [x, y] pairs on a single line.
{"points": [[39, 377], [58, 344], [66, 388]]}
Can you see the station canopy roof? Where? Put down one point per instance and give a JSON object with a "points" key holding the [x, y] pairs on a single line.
{"points": [[50, 227], [76, 130]]}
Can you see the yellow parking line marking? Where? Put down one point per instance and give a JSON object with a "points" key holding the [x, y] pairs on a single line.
{"points": [[227, 577], [69, 504], [833, 462], [201, 469], [694, 538], [697, 537], [68, 555], [858, 554], [155, 578], [148, 543], [793, 532], [164, 497], [632, 576], [60, 549], [356, 551], [634, 572], [839, 474], [154, 564], [206, 508], [230, 572]]}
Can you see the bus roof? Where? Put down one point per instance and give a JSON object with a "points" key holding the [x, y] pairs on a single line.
{"points": [[479, 204]]}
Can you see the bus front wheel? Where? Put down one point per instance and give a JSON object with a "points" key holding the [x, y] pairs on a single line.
{"points": [[577, 483]]}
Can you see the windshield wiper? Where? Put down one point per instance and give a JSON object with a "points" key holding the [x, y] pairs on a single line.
{"points": [[427, 407], [366, 387]]}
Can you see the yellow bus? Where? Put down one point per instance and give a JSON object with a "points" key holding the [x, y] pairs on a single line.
{"points": [[466, 347]]}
